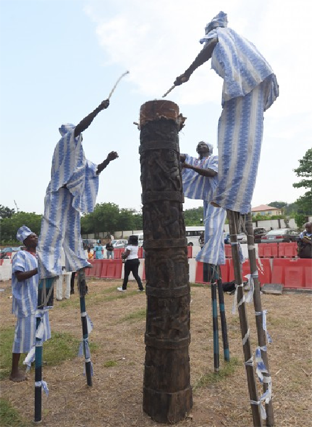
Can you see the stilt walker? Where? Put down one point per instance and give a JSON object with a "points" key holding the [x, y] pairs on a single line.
{"points": [[199, 177], [249, 88]]}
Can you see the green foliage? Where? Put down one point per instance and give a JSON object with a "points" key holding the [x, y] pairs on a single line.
{"points": [[9, 226], [194, 216], [10, 417], [107, 217], [304, 171], [300, 219], [6, 212], [278, 205], [110, 364]]}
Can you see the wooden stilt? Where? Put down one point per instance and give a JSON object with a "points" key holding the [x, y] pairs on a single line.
{"points": [[251, 380], [82, 292], [258, 309], [38, 376], [226, 349], [215, 327]]}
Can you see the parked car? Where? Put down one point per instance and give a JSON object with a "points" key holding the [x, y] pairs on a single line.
{"points": [[121, 243], [280, 235]]}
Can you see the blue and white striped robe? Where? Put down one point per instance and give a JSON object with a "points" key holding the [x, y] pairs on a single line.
{"points": [[249, 88], [200, 187], [60, 226], [24, 304]]}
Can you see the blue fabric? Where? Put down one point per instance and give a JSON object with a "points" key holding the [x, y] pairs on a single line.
{"points": [[98, 252], [213, 250], [219, 20], [60, 227], [25, 293], [196, 186], [249, 88], [23, 232]]}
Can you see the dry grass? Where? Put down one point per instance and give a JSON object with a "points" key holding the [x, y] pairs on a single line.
{"points": [[115, 400]]}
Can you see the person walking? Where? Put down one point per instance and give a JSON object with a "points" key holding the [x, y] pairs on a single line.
{"points": [[132, 263], [25, 299]]}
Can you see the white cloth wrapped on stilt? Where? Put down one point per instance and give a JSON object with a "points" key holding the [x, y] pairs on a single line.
{"points": [[249, 88], [60, 226], [196, 186]]}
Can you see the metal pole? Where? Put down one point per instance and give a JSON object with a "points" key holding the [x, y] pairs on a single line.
{"points": [[258, 309], [251, 381]]}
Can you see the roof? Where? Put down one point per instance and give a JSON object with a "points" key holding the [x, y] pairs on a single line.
{"points": [[264, 208]]}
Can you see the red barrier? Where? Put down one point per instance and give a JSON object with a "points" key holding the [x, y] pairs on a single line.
{"points": [[111, 268], [190, 251], [140, 252], [268, 250], [287, 250], [199, 272], [118, 252], [228, 251], [293, 273], [264, 271], [90, 272]]}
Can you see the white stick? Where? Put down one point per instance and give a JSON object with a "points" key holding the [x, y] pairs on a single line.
{"points": [[127, 72]]}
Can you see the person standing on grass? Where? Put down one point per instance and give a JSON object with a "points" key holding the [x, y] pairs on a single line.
{"points": [[132, 263], [98, 250], [109, 249], [25, 299]]}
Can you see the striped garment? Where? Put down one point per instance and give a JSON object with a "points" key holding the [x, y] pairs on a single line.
{"points": [[200, 187], [24, 303], [213, 250], [60, 226], [249, 88]]}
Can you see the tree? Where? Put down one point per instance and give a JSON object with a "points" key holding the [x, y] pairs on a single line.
{"points": [[194, 216], [304, 171], [278, 205], [6, 212], [9, 226]]}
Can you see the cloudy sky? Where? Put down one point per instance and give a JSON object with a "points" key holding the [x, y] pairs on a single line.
{"points": [[60, 59]]}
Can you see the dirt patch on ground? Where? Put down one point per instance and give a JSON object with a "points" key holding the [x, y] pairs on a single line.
{"points": [[115, 399]]}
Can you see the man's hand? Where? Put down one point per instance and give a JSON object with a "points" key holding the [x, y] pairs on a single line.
{"points": [[112, 156], [181, 79], [104, 104], [186, 166]]}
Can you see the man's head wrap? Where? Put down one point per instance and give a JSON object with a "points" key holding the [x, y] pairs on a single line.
{"points": [[210, 146], [23, 232], [219, 20], [67, 127]]}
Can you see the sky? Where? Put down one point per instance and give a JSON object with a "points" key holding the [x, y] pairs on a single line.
{"points": [[60, 58]]}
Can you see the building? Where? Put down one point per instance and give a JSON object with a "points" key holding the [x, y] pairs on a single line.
{"points": [[266, 210]]}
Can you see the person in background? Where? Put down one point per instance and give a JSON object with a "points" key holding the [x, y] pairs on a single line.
{"points": [[305, 242], [201, 239], [90, 253], [109, 249], [98, 250], [25, 299], [132, 263]]}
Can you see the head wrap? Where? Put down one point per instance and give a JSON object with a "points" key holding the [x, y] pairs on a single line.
{"points": [[210, 146], [67, 127], [219, 20], [23, 232]]}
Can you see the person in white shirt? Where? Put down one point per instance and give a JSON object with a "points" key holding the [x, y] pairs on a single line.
{"points": [[132, 263]]}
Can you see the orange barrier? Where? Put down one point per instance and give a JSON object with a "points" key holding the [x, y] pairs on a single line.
{"points": [[293, 273], [287, 250], [90, 272], [268, 250], [118, 252], [264, 270], [140, 252]]}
